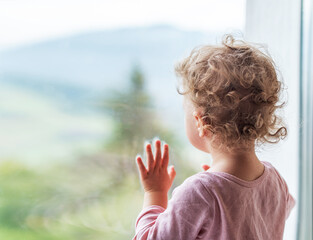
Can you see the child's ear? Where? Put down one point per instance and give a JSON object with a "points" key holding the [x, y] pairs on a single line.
{"points": [[199, 124], [197, 116]]}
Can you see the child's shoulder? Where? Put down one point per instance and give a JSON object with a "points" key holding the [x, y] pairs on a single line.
{"points": [[190, 183], [193, 187], [216, 180], [277, 174], [210, 182]]}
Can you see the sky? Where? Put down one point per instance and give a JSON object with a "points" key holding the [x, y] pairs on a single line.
{"points": [[27, 21]]}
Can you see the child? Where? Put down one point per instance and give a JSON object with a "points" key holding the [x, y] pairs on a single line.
{"points": [[230, 96]]}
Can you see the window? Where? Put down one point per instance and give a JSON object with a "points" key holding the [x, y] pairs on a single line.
{"points": [[82, 85]]}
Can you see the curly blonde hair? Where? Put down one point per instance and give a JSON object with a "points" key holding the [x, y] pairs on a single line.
{"points": [[236, 85]]}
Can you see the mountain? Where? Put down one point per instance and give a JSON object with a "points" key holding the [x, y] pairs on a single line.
{"points": [[67, 75], [103, 59]]}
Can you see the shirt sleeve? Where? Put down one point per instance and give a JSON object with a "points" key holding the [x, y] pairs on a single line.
{"points": [[291, 202], [190, 207]]}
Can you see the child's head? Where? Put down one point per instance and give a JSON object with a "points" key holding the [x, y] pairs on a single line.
{"points": [[231, 94]]}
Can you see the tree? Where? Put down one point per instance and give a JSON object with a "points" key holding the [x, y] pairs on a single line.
{"points": [[134, 117]]}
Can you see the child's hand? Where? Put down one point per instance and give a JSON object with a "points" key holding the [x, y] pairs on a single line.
{"points": [[205, 167], [156, 178]]}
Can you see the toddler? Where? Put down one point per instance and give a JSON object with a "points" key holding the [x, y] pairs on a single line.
{"points": [[230, 95]]}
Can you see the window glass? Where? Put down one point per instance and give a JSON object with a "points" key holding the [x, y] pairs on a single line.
{"points": [[83, 85]]}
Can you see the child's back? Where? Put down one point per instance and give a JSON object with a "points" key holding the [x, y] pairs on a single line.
{"points": [[218, 205]]}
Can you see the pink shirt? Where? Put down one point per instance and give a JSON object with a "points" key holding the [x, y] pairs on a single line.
{"points": [[218, 205]]}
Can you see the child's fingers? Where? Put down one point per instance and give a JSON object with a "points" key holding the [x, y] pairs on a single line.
{"points": [[150, 157], [165, 156], [157, 153], [205, 167], [172, 172], [142, 168]]}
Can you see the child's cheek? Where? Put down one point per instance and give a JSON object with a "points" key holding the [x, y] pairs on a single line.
{"points": [[192, 131]]}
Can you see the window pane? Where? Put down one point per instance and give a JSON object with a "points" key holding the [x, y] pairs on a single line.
{"points": [[83, 85]]}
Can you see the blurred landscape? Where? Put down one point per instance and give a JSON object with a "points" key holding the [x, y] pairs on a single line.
{"points": [[74, 112], [61, 82]]}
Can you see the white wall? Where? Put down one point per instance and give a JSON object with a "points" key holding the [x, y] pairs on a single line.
{"points": [[277, 24]]}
